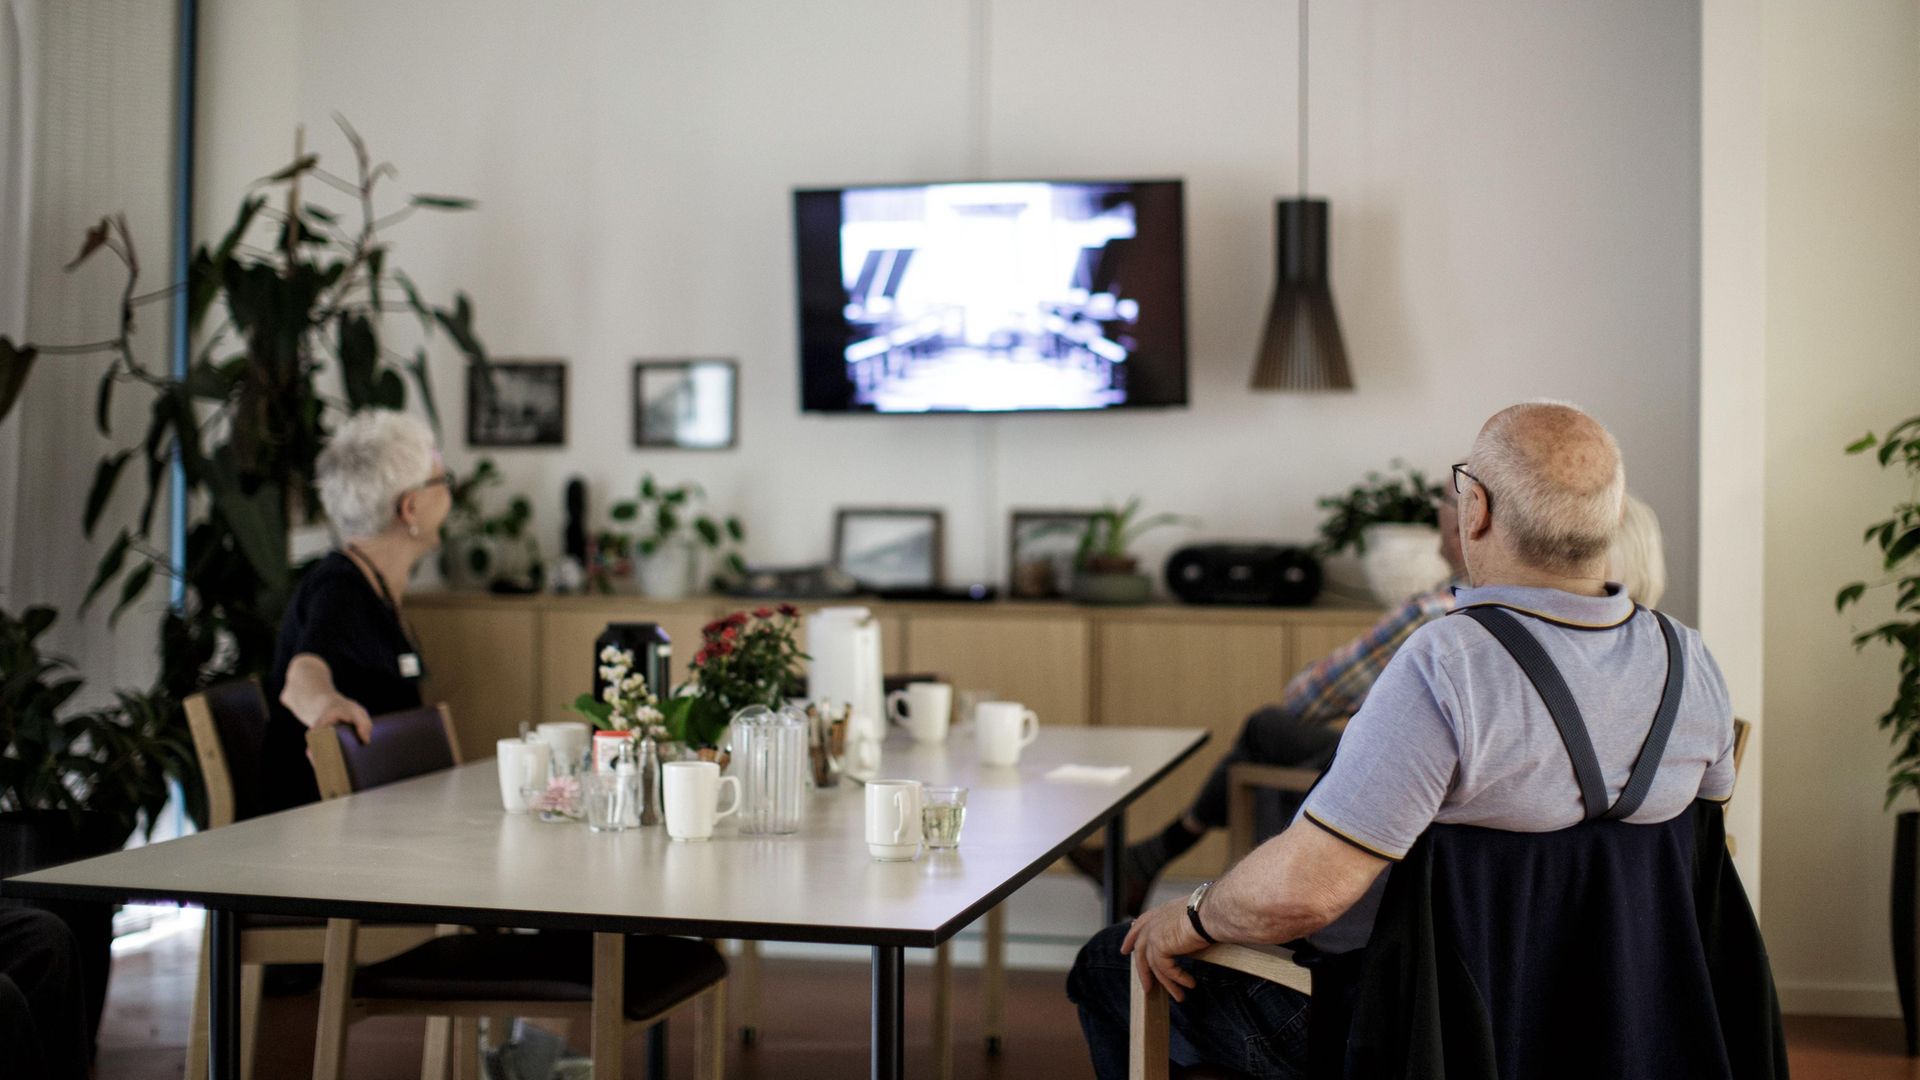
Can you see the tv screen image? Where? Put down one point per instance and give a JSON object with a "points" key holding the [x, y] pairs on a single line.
{"points": [[1003, 296]]}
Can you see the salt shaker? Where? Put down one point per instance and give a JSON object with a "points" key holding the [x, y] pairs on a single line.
{"points": [[649, 783]]}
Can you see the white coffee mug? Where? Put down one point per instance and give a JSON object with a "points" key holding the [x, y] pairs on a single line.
{"points": [[569, 741], [893, 819], [692, 795], [1003, 729], [924, 709], [523, 764]]}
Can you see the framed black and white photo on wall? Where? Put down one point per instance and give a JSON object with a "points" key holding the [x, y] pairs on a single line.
{"points": [[1041, 548], [517, 403], [686, 404], [888, 548]]}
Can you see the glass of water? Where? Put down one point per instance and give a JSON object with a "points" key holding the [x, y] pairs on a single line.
{"points": [[942, 811], [610, 801]]}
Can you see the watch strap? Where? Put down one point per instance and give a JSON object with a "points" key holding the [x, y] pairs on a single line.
{"points": [[1193, 913]]}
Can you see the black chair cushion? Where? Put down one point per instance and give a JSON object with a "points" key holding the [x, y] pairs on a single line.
{"points": [[552, 966], [404, 745], [240, 717]]}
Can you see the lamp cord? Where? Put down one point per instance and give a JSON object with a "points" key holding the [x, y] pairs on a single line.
{"points": [[1303, 99]]}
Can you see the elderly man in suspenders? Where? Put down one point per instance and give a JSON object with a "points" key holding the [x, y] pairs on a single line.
{"points": [[1547, 698]]}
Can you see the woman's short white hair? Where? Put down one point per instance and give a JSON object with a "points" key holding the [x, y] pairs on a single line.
{"points": [[1556, 480], [1636, 559], [373, 458]]}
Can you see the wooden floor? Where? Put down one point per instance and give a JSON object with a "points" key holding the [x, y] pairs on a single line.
{"points": [[815, 1026]]}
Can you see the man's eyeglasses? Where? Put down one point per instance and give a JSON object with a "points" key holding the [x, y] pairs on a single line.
{"points": [[1461, 478]]}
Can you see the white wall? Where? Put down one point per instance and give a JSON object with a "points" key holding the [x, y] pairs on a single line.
{"points": [[1841, 326], [1514, 191]]}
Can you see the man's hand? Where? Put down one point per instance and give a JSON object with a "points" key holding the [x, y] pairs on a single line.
{"points": [[1155, 939], [343, 710]]}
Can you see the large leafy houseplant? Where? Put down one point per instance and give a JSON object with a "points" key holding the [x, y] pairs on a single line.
{"points": [[666, 516], [1400, 496], [250, 416], [1897, 542]]}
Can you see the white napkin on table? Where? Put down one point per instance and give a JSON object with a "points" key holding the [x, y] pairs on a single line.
{"points": [[1089, 774]]}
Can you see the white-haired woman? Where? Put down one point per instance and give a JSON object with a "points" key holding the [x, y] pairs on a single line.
{"points": [[344, 654], [1635, 558]]}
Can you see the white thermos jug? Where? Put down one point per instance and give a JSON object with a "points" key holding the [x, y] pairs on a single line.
{"points": [[844, 643]]}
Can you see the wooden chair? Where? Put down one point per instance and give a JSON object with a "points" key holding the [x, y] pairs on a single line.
{"points": [[227, 723], [1148, 1049], [613, 982]]}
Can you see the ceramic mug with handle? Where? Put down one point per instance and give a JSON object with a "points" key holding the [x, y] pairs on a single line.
{"points": [[893, 820], [523, 764], [924, 709], [693, 798], [1003, 729]]}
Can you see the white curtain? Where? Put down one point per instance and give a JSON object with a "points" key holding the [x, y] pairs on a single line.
{"points": [[19, 79]]}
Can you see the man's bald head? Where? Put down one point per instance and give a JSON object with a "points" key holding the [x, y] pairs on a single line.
{"points": [[1556, 483]]}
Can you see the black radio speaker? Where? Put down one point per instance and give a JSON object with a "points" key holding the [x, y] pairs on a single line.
{"points": [[1244, 574]]}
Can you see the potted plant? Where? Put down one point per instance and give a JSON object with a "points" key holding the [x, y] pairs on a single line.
{"points": [[295, 288], [482, 551], [1896, 542], [1104, 568], [75, 784], [665, 554], [1392, 521]]}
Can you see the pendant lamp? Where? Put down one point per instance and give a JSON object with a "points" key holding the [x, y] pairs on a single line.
{"points": [[1302, 348]]}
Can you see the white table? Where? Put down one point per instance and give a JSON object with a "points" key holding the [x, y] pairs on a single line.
{"points": [[438, 849]]}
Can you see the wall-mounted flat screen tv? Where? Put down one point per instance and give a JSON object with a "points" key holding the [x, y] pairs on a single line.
{"points": [[1002, 296]]}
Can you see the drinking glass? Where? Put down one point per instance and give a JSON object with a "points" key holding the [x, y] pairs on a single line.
{"points": [[610, 799], [942, 811]]}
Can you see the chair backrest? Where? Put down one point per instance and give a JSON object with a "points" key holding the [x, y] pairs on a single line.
{"points": [[404, 745], [1605, 949], [229, 724]]}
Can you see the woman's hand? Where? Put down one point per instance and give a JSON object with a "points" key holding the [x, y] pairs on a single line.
{"points": [[310, 696], [343, 710]]}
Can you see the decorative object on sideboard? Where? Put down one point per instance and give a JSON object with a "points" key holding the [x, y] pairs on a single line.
{"points": [[575, 537], [821, 581], [1041, 550], [1302, 348], [1897, 544], [495, 552], [1105, 570], [295, 292], [1270, 574], [686, 404], [1391, 521], [889, 548], [518, 403], [675, 534]]}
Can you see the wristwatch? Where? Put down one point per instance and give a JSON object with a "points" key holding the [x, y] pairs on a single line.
{"points": [[1193, 911]]}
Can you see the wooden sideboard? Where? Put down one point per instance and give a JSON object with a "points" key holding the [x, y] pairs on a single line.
{"points": [[501, 661]]}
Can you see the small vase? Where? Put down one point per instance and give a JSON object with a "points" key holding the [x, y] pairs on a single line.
{"points": [[667, 574], [1402, 560]]}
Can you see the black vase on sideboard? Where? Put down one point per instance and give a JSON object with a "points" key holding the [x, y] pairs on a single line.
{"points": [[1906, 921]]}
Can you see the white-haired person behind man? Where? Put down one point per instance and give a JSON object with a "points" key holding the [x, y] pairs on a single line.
{"points": [[1452, 732], [344, 655]]}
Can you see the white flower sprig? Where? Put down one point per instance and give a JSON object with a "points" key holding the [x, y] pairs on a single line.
{"points": [[634, 706]]}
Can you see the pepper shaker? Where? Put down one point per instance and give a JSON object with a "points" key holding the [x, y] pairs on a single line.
{"points": [[649, 783]]}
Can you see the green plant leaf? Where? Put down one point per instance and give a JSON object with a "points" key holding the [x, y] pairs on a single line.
{"points": [[458, 324], [1903, 547], [15, 362], [105, 476], [443, 202], [131, 589], [1864, 442], [298, 166], [623, 511], [1848, 595], [103, 404], [320, 214], [736, 530], [95, 239], [423, 381], [708, 530], [110, 564], [648, 490], [359, 353]]}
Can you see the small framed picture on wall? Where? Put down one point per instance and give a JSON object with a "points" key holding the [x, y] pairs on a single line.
{"points": [[886, 548], [1041, 546], [686, 404], [517, 403]]}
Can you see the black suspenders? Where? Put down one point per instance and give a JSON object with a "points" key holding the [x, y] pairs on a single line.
{"points": [[1553, 691]]}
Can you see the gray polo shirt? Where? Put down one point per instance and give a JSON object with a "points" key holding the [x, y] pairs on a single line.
{"points": [[1455, 733]]}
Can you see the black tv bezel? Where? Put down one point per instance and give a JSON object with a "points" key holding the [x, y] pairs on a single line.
{"points": [[1184, 400]]}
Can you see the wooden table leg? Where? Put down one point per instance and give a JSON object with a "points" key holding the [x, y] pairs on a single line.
{"points": [[943, 1011], [889, 1060], [223, 1012], [993, 972]]}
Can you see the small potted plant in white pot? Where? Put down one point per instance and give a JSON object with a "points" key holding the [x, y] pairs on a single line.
{"points": [[666, 555], [1104, 569], [1392, 521]]}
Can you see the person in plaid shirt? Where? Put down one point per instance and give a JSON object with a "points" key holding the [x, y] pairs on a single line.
{"points": [[1302, 728]]}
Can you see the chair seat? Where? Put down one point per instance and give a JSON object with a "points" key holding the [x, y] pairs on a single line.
{"points": [[661, 971]]}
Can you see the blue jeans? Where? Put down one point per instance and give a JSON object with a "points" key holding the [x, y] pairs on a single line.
{"points": [[1229, 1019]]}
